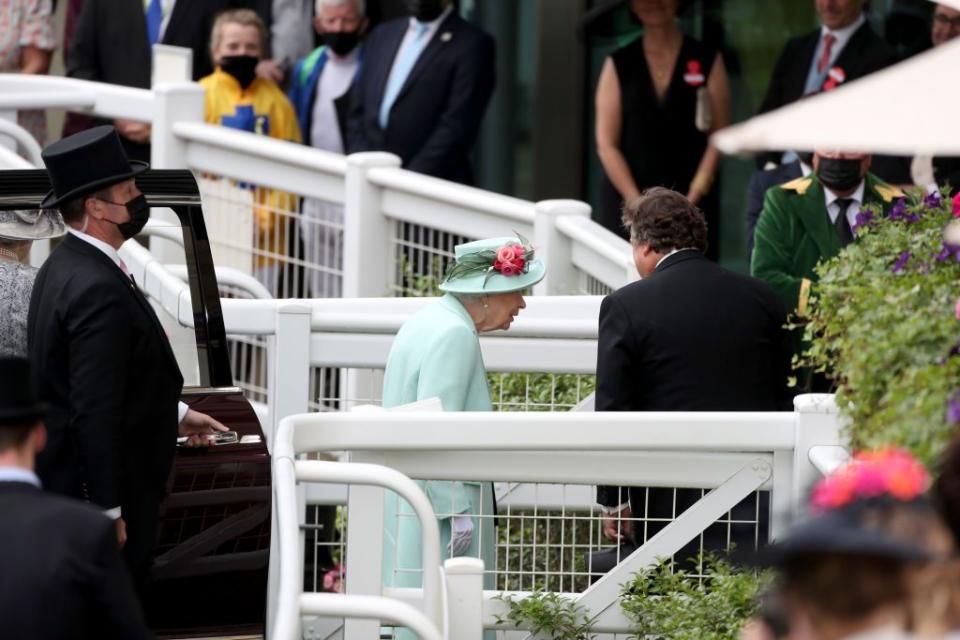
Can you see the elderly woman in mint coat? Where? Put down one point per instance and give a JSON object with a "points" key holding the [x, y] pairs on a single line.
{"points": [[436, 354]]}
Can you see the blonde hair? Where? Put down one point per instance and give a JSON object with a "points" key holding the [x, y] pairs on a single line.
{"points": [[242, 17]]}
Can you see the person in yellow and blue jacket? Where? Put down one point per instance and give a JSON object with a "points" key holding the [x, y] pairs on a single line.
{"points": [[237, 98]]}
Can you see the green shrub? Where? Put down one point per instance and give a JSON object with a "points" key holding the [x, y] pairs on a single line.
{"points": [[666, 603], [883, 326], [548, 615]]}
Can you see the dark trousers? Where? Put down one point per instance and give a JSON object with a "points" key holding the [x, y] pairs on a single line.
{"points": [[142, 517]]}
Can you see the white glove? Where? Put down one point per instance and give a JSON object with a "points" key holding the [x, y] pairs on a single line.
{"points": [[461, 534]]}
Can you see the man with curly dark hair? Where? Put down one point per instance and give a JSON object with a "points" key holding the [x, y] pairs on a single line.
{"points": [[689, 336]]}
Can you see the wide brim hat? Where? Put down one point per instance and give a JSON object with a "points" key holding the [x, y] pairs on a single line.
{"points": [[18, 399], [31, 224], [488, 281], [86, 162], [834, 532]]}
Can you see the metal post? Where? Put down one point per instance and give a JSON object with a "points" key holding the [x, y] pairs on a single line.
{"points": [[463, 596], [817, 424], [554, 247], [368, 258], [364, 548]]}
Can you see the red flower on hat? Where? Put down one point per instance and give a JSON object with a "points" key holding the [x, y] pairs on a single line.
{"points": [[892, 472]]}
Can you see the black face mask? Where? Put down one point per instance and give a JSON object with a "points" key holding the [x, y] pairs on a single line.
{"points": [[424, 10], [243, 68], [139, 212], [839, 175], [341, 42]]}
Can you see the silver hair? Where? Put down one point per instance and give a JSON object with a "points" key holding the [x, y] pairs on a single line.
{"points": [[470, 298], [361, 5]]}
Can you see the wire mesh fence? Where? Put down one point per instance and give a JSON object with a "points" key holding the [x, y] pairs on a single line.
{"points": [[422, 257], [293, 245]]}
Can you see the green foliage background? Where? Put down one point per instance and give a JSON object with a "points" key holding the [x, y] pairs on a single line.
{"points": [[886, 336]]}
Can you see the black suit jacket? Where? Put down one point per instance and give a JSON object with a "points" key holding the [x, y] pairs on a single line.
{"points": [[760, 181], [105, 367], [863, 54], [62, 573], [435, 119], [692, 337]]}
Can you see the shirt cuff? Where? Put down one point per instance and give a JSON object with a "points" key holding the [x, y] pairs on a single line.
{"points": [[609, 511], [182, 408], [113, 514]]}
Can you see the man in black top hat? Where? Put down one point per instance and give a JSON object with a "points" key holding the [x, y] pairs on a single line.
{"points": [[103, 361], [62, 573]]}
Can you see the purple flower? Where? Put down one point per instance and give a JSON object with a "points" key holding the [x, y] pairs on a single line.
{"points": [[898, 210], [933, 201], [864, 218], [901, 262], [953, 407]]}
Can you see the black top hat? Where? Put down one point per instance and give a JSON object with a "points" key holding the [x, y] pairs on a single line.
{"points": [[86, 162], [18, 401]]}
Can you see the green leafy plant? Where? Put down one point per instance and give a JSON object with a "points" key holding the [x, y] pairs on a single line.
{"points": [[883, 325], [666, 603], [547, 614]]}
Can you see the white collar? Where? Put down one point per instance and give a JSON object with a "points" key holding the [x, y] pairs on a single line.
{"points": [[99, 244], [805, 169], [19, 474], [433, 24], [670, 254], [843, 35], [856, 196]]}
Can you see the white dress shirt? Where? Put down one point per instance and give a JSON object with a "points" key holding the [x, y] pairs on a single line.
{"points": [[833, 209], [411, 34], [670, 254]]}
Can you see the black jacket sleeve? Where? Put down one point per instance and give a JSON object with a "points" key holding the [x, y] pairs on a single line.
{"points": [[82, 59]]}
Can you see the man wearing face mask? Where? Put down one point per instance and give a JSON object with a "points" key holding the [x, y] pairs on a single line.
{"points": [[424, 87], [320, 90], [101, 359], [812, 218]]}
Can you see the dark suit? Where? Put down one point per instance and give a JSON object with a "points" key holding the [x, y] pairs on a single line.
{"points": [[105, 367], [760, 181], [110, 44], [435, 119], [691, 337], [863, 54], [62, 573]]}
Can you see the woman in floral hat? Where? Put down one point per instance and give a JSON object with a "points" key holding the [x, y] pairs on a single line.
{"points": [[437, 354], [873, 560]]}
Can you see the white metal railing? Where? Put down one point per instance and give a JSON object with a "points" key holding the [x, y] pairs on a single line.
{"points": [[733, 453], [388, 213]]}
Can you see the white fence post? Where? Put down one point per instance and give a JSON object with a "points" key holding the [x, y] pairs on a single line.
{"points": [[288, 381], [554, 247], [818, 424], [180, 102], [368, 255], [463, 595]]}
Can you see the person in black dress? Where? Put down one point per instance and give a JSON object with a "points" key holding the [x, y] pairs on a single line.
{"points": [[658, 99]]}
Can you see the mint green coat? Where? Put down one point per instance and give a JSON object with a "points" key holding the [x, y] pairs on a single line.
{"points": [[437, 354]]}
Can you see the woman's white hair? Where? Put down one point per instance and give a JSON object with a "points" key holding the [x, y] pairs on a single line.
{"points": [[361, 5]]}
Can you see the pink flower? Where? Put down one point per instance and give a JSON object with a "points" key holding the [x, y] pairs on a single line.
{"points": [[507, 269], [506, 253], [518, 252], [956, 205], [956, 309]]}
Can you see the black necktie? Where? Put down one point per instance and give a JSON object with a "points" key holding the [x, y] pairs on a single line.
{"points": [[841, 224]]}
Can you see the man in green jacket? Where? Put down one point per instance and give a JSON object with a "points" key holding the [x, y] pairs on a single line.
{"points": [[813, 218]]}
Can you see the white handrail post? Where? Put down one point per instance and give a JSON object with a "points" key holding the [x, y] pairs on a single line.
{"points": [[817, 423], [174, 102], [289, 365], [463, 594], [364, 562], [6, 141], [554, 247], [368, 255]]}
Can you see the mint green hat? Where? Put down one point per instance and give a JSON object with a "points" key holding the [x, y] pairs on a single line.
{"points": [[478, 268]]}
